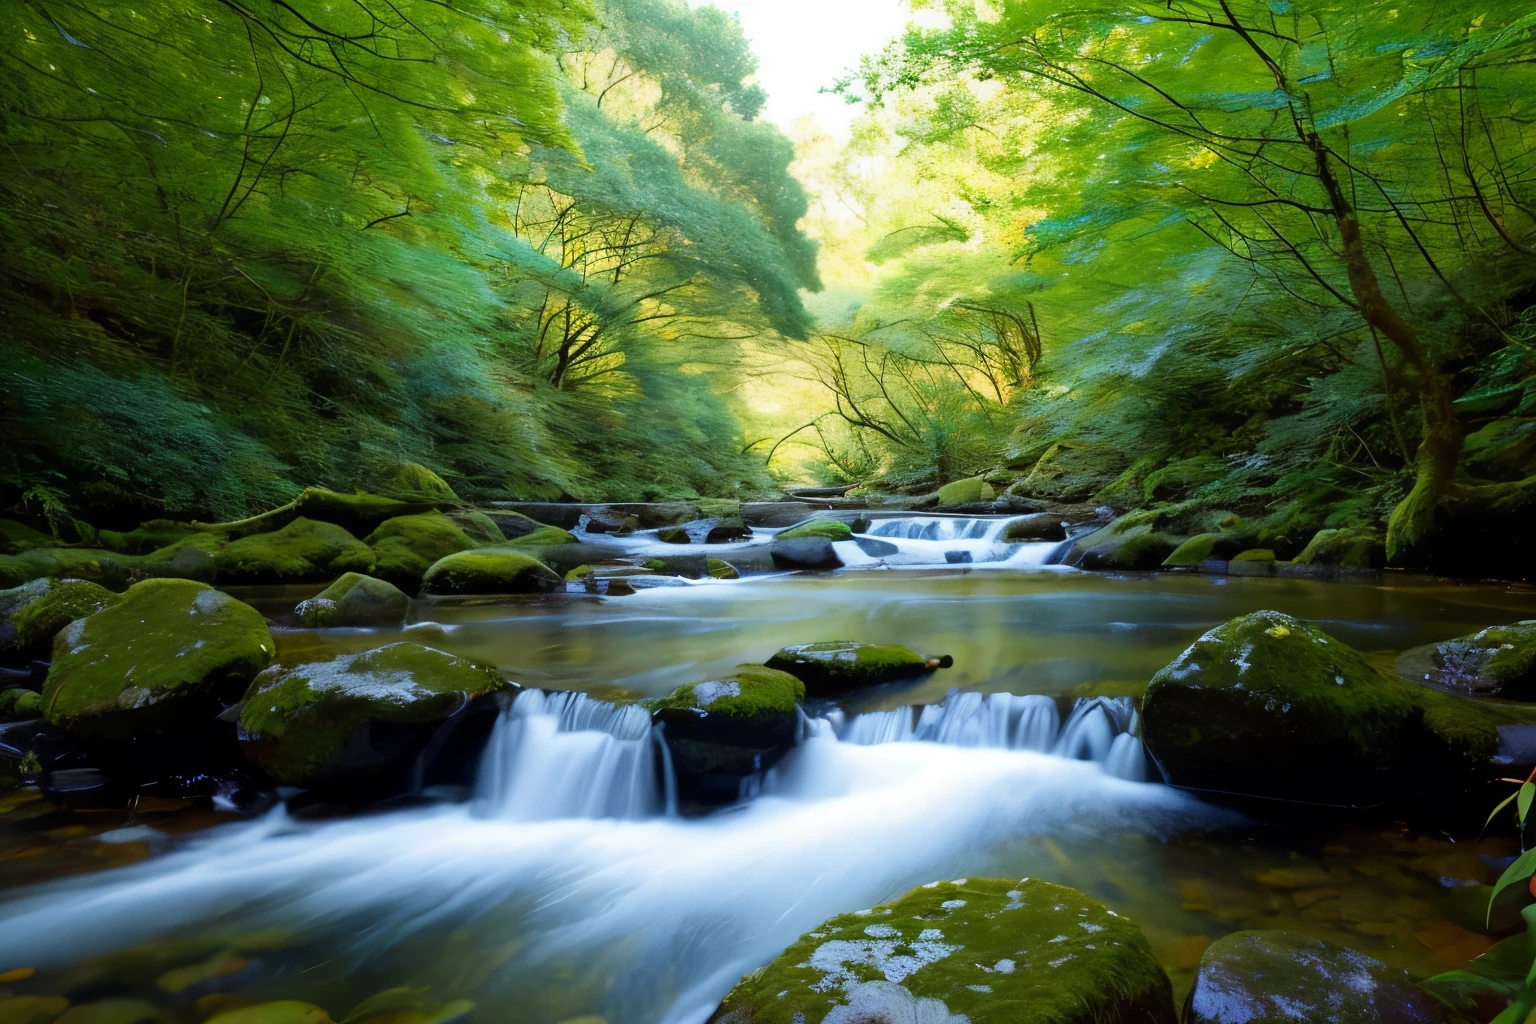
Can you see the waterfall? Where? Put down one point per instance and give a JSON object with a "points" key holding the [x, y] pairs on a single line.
{"points": [[937, 528], [566, 755], [1100, 729]]}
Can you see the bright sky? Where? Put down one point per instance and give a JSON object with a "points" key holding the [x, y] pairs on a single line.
{"points": [[805, 45]]}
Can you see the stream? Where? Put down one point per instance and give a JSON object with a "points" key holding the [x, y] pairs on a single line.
{"points": [[567, 888]]}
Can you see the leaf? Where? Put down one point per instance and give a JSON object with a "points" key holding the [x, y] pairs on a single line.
{"points": [[1511, 892], [1502, 804], [1525, 794]]}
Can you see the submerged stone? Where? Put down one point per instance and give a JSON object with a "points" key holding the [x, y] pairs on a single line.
{"points": [[1499, 661], [839, 665], [357, 716], [1278, 977], [1268, 705], [971, 951], [828, 529], [30, 615], [490, 571], [166, 657], [723, 731], [356, 600], [302, 551]]}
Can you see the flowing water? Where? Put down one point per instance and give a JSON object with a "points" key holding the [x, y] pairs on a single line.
{"points": [[569, 888]]}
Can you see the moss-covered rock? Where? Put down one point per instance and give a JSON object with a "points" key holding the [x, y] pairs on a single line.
{"points": [[1129, 542], [31, 614], [405, 547], [408, 481], [1252, 562], [513, 524], [673, 535], [1071, 472], [284, 1012], [722, 570], [691, 567], [355, 600], [804, 553], [978, 950], [166, 657], [357, 717], [146, 537], [480, 528], [828, 529], [545, 536], [16, 537], [110, 569], [1179, 479], [192, 557], [1277, 977], [1267, 705], [302, 551], [17, 704], [1041, 526], [1355, 547], [1192, 552], [722, 731], [966, 492], [1499, 661], [490, 571], [840, 665], [31, 1009]]}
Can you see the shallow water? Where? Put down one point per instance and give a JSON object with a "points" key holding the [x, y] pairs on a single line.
{"points": [[530, 904]]}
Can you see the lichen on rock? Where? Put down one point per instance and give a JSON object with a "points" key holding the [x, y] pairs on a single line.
{"points": [[167, 656], [981, 951]]}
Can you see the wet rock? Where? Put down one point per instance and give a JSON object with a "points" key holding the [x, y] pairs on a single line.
{"points": [[514, 525], [480, 528], [827, 529], [562, 558], [304, 550], [1267, 705], [1356, 547], [545, 537], [841, 665], [673, 535], [1041, 526], [619, 588], [957, 557], [355, 600], [108, 568], [1252, 562], [722, 570], [1202, 548], [724, 531], [17, 704], [1129, 542], [805, 553], [193, 557], [601, 520], [405, 547], [32, 613], [490, 571], [876, 548], [1277, 977], [1499, 661], [966, 492], [165, 658], [721, 732], [979, 950], [691, 567], [357, 718]]}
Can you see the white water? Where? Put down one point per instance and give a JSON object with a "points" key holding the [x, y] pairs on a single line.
{"points": [[642, 921]]}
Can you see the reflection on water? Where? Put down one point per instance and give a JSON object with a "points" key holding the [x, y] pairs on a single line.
{"points": [[546, 901]]}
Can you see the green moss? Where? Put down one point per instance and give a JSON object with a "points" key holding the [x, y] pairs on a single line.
{"points": [[166, 656], [722, 570], [408, 481], [1193, 551], [18, 704], [966, 492], [1071, 472], [308, 724], [16, 537], [1125, 490], [480, 528], [543, 537], [303, 550], [1499, 661], [32, 614], [1254, 555], [286, 1012], [405, 547], [673, 535], [828, 529], [844, 664], [356, 600], [1357, 547], [490, 571], [146, 537], [752, 691], [193, 557], [1180, 478], [31, 1009], [991, 950], [108, 568]]}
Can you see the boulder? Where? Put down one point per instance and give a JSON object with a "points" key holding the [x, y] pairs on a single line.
{"points": [[16, 537], [405, 547], [827, 529], [304, 550], [805, 553], [408, 481], [513, 524], [146, 537], [971, 951], [1129, 542], [1041, 526], [875, 547], [1201, 548], [490, 571], [108, 568], [725, 530], [167, 657], [1071, 472], [691, 567], [32, 613], [1499, 661], [355, 600], [1269, 706], [966, 492], [1178, 479], [562, 558], [192, 557], [1355, 547], [480, 528], [358, 717], [721, 732], [673, 535], [1252, 562], [841, 665], [544, 537], [16, 704], [1277, 977]]}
